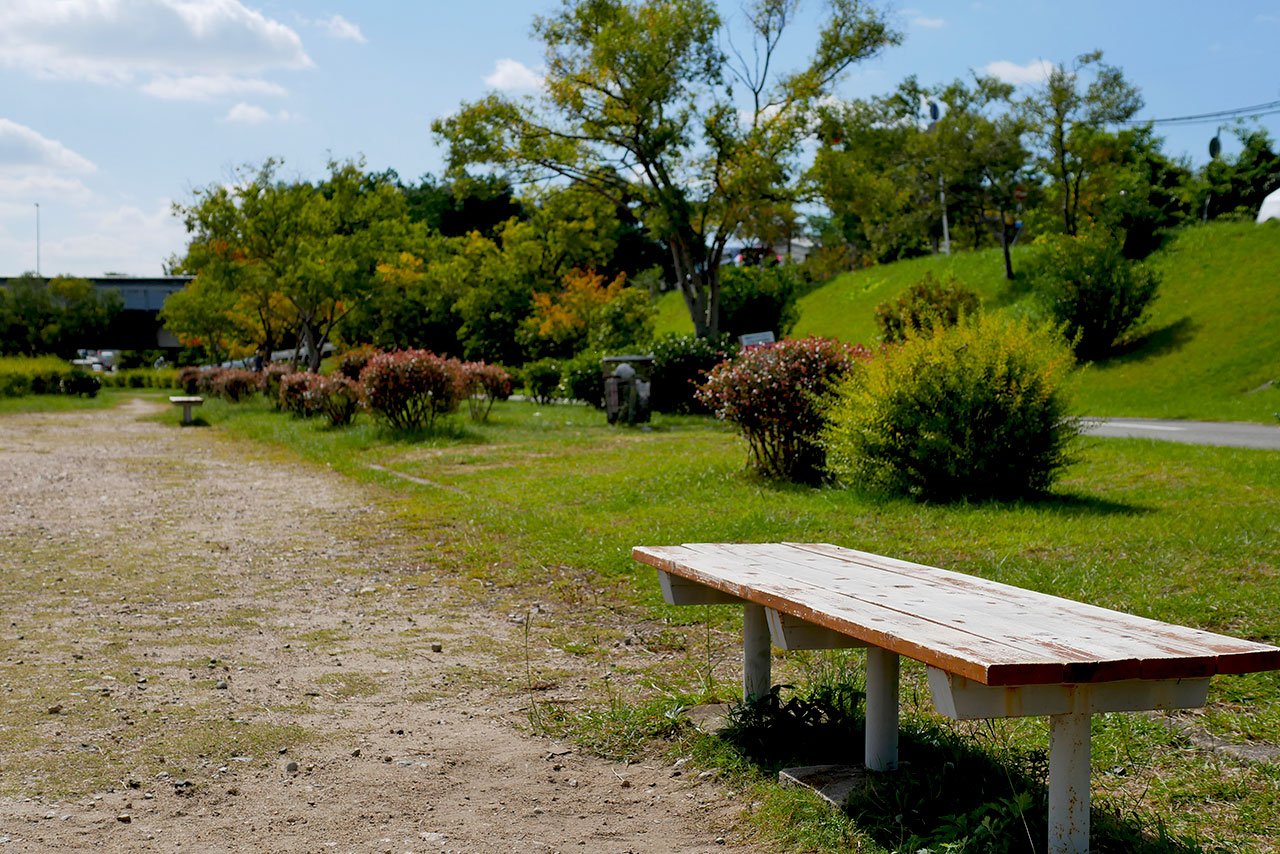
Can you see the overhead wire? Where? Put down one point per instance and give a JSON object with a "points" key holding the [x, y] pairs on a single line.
{"points": [[1255, 111]]}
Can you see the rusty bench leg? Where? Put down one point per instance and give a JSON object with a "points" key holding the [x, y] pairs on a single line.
{"points": [[1069, 761], [756, 652], [882, 710]]}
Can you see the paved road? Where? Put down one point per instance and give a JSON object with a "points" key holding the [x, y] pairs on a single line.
{"points": [[1227, 433]]}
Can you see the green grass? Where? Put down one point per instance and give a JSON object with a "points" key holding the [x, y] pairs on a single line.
{"points": [[544, 504], [1211, 343]]}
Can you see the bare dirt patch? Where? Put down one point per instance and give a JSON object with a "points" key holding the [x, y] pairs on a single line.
{"points": [[207, 647]]}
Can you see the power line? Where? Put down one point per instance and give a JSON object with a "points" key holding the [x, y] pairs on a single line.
{"points": [[1255, 111]]}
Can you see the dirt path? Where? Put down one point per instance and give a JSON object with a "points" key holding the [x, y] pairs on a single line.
{"points": [[206, 647]]}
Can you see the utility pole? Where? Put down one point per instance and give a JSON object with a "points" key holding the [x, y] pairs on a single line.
{"points": [[942, 190], [37, 238]]}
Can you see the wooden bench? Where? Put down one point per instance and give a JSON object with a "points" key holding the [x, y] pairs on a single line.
{"points": [[186, 403], [992, 650]]}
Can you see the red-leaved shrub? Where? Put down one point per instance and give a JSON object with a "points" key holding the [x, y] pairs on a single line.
{"points": [[774, 395], [296, 395], [269, 380], [411, 388], [337, 397], [233, 384], [484, 384]]}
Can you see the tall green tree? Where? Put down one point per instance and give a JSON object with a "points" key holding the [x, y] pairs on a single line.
{"points": [[640, 105], [1074, 102], [54, 316], [296, 256]]}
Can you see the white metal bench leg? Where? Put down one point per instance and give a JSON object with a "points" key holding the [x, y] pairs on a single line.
{"points": [[756, 652], [1069, 761], [882, 710]]}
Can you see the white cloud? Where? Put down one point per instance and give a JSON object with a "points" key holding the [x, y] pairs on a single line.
{"points": [[510, 75], [208, 87], [928, 23], [24, 149], [252, 114], [1035, 71], [340, 28], [156, 41]]}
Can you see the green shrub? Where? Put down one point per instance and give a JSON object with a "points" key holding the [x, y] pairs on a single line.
{"points": [[1088, 287], [410, 389], [542, 379], [978, 410], [759, 299], [81, 383], [680, 365], [774, 394], [582, 378], [926, 304], [484, 383]]}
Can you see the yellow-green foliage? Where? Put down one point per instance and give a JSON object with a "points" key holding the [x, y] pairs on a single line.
{"points": [[978, 410], [22, 375]]}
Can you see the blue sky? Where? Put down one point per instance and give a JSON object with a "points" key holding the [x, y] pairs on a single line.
{"points": [[111, 110]]}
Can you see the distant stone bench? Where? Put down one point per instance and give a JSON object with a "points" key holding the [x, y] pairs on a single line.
{"points": [[187, 403], [992, 650]]}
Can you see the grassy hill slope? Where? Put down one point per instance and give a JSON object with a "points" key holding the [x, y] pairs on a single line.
{"points": [[1212, 340]]}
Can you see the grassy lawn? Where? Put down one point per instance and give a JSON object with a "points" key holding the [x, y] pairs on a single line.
{"points": [[1210, 345], [544, 503]]}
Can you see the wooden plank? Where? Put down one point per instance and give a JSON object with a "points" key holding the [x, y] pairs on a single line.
{"points": [[902, 611], [1107, 644], [793, 633], [959, 652], [1167, 637], [987, 631], [1093, 644]]}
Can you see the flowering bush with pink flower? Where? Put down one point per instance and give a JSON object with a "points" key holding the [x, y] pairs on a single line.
{"points": [[296, 395], [409, 389], [774, 394]]}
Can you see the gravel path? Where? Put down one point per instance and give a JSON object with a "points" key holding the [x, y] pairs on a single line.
{"points": [[208, 647]]}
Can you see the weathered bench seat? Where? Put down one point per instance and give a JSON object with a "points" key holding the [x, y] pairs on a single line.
{"points": [[993, 650]]}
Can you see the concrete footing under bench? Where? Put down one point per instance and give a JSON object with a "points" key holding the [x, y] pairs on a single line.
{"points": [[833, 783]]}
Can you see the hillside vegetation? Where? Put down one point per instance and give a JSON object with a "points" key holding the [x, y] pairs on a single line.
{"points": [[1210, 346]]}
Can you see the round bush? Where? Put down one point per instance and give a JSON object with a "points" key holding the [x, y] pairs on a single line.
{"points": [[582, 378], [337, 397], [296, 396], [409, 389], [774, 394], [234, 385], [542, 379], [925, 304], [978, 410], [1097, 295], [485, 383]]}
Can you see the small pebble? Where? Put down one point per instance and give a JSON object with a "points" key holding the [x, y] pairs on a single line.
{"points": [[437, 647], [221, 685], [124, 818], [291, 767]]}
